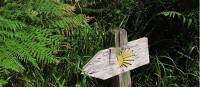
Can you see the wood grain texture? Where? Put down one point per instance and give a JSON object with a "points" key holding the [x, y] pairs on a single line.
{"points": [[121, 40], [104, 64]]}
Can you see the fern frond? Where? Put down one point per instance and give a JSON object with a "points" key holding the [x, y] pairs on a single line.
{"points": [[172, 14], [29, 47], [68, 22], [10, 25], [30, 34], [52, 8], [9, 61]]}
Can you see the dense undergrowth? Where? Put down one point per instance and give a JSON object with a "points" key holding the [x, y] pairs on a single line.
{"points": [[46, 43]]}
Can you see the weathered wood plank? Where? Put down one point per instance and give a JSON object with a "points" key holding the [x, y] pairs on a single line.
{"points": [[104, 64]]}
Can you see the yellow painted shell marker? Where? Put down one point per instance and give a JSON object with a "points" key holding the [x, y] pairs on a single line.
{"points": [[125, 57]]}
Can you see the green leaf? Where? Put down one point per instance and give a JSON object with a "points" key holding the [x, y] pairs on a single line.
{"points": [[2, 82], [189, 23]]}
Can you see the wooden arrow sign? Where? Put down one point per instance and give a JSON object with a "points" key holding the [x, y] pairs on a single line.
{"points": [[114, 61]]}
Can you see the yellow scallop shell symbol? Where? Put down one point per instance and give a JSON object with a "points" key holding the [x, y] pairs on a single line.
{"points": [[125, 57]]}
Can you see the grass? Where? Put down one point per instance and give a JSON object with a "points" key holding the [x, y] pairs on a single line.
{"points": [[173, 46]]}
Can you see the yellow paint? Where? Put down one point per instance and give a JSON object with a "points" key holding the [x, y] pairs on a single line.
{"points": [[125, 57]]}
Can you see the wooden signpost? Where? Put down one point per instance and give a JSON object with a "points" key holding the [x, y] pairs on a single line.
{"points": [[120, 60]]}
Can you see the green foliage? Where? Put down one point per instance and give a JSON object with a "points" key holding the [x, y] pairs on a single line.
{"points": [[33, 34], [2, 82], [46, 43], [172, 29], [173, 14]]}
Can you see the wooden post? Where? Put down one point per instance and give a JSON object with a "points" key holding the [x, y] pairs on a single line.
{"points": [[124, 79]]}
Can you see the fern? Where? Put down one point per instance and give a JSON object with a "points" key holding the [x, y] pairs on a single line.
{"points": [[33, 37], [31, 31], [8, 61], [173, 14], [9, 25], [68, 22], [25, 46], [170, 14]]}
